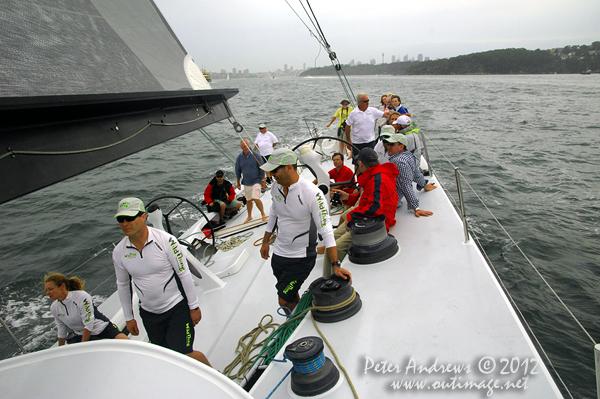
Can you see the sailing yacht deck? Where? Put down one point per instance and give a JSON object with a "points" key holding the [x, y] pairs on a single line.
{"points": [[436, 302]]}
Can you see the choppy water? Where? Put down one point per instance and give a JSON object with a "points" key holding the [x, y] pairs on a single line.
{"points": [[528, 144]]}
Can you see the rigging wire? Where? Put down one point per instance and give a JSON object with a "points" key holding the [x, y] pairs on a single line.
{"points": [[320, 36], [489, 261]]}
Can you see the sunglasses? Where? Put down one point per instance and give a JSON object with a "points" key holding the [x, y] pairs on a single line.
{"points": [[219, 176], [277, 168], [365, 101], [130, 219]]}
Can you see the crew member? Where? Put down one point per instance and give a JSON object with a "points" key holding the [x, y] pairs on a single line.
{"points": [[343, 114], [220, 196], [300, 212], [408, 171], [378, 198], [153, 261], [360, 126], [247, 164], [342, 173], [74, 309]]}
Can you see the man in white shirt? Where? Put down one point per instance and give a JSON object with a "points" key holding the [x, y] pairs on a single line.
{"points": [[265, 141], [360, 124], [300, 212], [152, 261]]}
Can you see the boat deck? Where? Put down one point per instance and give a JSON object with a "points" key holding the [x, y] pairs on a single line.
{"points": [[433, 314], [436, 302]]}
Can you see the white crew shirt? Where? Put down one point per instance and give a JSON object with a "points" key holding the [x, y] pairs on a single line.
{"points": [[76, 312], [265, 143], [362, 124], [153, 272], [299, 217]]}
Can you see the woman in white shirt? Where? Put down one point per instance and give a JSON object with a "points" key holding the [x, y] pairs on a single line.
{"points": [[73, 309]]}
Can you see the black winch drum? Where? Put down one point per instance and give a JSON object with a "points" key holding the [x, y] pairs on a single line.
{"points": [[313, 373], [333, 291], [370, 242]]}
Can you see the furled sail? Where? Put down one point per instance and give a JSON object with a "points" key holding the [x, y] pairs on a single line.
{"points": [[86, 82]]}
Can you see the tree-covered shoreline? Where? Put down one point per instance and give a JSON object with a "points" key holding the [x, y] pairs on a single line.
{"points": [[569, 59]]}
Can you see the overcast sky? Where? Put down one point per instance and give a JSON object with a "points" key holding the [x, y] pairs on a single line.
{"points": [[263, 35]]}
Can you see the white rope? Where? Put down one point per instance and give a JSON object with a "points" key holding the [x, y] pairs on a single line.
{"points": [[234, 242]]}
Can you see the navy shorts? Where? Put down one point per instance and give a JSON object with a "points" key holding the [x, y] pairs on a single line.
{"points": [[172, 329], [109, 332], [290, 274]]}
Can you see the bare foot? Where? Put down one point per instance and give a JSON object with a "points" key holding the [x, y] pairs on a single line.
{"points": [[249, 218], [264, 217], [321, 250]]}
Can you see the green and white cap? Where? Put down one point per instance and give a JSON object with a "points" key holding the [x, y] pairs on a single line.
{"points": [[130, 207], [387, 131], [281, 156], [398, 138]]}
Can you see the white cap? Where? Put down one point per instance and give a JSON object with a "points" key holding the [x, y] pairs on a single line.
{"points": [[402, 120]]}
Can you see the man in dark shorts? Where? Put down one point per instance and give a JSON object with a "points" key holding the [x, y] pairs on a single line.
{"points": [[299, 211], [152, 261]]}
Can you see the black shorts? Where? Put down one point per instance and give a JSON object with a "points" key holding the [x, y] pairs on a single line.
{"points": [[360, 146], [172, 329], [109, 332], [290, 274]]}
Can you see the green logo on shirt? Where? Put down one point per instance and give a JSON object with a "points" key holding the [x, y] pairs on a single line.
{"points": [[278, 198], [130, 255], [322, 209], [88, 311], [177, 254]]}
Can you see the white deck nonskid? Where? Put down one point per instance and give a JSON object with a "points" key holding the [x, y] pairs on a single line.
{"points": [[436, 299]]}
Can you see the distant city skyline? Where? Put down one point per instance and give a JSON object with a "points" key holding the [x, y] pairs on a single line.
{"points": [[225, 37]]}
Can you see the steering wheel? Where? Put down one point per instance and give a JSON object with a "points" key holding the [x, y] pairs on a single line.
{"points": [[315, 139], [175, 206]]}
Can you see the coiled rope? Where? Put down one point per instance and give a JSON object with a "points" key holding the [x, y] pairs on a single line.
{"points": [[275, 341]]}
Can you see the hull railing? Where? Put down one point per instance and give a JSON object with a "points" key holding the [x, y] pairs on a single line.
{"points": [[460, 208]]}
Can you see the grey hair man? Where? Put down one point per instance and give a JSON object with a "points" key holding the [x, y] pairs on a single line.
{"points": [[248, 164], [360, 125]]}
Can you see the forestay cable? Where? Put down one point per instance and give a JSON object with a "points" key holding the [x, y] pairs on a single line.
{"points": [[320, 36]]}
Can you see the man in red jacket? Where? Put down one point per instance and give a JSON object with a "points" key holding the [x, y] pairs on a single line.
{"points": [[220, 196], [379, 197]]}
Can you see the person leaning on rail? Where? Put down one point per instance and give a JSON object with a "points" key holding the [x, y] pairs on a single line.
{"points": [[74, 309]]}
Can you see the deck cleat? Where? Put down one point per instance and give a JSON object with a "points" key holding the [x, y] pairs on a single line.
{"points": [[371, 242], [313, 373], [331, 292]]}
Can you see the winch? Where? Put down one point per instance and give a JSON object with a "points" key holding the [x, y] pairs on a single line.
{"points": [[371, 242], [312, 373], [331, 292]]}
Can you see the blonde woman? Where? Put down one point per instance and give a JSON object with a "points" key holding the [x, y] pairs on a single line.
{"points": [[73, 309]]}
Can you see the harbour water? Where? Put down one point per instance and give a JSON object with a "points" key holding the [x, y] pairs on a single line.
{"points": [[529, 145]]}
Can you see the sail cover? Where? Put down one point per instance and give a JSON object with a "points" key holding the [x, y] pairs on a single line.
{"points": [[77, 77]]}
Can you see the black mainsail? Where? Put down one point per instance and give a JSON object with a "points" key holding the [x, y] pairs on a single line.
{"points": [[86, 82]]}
